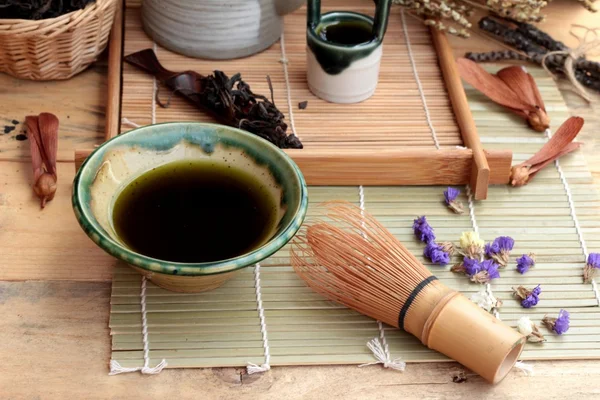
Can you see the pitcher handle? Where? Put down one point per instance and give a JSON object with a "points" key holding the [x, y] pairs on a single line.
{"points": [[382, 13], [313, 12]]}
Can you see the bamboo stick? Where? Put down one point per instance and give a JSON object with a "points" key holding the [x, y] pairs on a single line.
{"points": [[480, 177], [115, 53]]}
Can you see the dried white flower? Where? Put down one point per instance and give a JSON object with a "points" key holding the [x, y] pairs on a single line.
{"points": [[525, 326], [485, 300]]}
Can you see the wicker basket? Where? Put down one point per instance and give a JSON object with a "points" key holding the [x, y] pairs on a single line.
{"points": [[55, 48]]}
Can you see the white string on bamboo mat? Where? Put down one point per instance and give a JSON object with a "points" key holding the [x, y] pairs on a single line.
{"points": [[488, 287], [253, 368], [419, 85], [378, 346], [567, 188], [284, 61], [527, 369], [129, 123], [116, 368]]}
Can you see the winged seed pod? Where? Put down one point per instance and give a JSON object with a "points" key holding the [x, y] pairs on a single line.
{"points": [[42, 131], [559, 144], [510, 87]]}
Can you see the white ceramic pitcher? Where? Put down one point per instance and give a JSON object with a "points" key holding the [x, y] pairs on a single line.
{"points": [[216, 29]]}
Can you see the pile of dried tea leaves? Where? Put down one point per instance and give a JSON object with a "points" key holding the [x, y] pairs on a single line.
{"points": [[39, 9], [228, 99]]}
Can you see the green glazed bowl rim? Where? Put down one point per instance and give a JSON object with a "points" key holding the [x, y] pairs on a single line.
{"points": [[108, 244]]}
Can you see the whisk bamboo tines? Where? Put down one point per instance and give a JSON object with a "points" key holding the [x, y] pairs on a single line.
{"points": [[350, 258]]}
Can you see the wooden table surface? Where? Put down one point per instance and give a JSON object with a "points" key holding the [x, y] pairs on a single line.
{"points": [[54, 339]]}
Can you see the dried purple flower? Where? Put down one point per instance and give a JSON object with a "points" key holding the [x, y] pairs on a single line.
{"points": [[530, 301], [491, 249], [491, 268], [423, 231], [471, 266], [559, 325], [488, 270], [594, 260], [591, 268], [450, 196], [436, 254], [525, 262], [499, 250], [528, 297]]}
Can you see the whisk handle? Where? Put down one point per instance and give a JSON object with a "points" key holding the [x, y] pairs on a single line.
{"points": [[464, 332]]}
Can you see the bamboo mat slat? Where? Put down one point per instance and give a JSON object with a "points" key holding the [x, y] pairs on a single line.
{"points": [[222, 327]]}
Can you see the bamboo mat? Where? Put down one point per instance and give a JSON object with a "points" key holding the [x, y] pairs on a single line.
{"points": [[396, 116], [556, 216]]}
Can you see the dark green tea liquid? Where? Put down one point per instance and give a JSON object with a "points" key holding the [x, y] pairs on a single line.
{"points": [[347, 33], [194, 212]]}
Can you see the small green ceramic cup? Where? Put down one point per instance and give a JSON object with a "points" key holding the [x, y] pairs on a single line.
{"points": [[344, 73], [116, 163]]}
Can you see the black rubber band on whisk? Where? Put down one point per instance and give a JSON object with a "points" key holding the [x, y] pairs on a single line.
{"points": [[411, 298]]}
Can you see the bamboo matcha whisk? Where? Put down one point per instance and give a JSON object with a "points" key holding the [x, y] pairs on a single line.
{"points": [[354, 260]]}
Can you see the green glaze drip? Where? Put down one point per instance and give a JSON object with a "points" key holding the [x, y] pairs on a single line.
{"points": [[333, 56]]}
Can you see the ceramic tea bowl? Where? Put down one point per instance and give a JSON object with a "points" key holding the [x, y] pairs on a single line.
{"points": [[116, 163]]}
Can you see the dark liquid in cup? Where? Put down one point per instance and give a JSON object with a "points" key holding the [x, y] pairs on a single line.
{"points": [[347, 33], [194, 212]]}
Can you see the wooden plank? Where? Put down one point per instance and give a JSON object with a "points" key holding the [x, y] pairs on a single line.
{"points": [[48, 243], [393, 167], [348, 166], [79, 103]]}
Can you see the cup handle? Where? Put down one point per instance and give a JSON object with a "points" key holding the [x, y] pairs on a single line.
{"points": [[382, 13], [313, 13]]}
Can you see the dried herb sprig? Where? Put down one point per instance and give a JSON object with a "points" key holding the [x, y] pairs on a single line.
{"points": [[229, 100], [453, 17], [537, 46]]}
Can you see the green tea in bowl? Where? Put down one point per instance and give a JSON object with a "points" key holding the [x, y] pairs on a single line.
{"points": [[189, 204], [199, 212]]}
